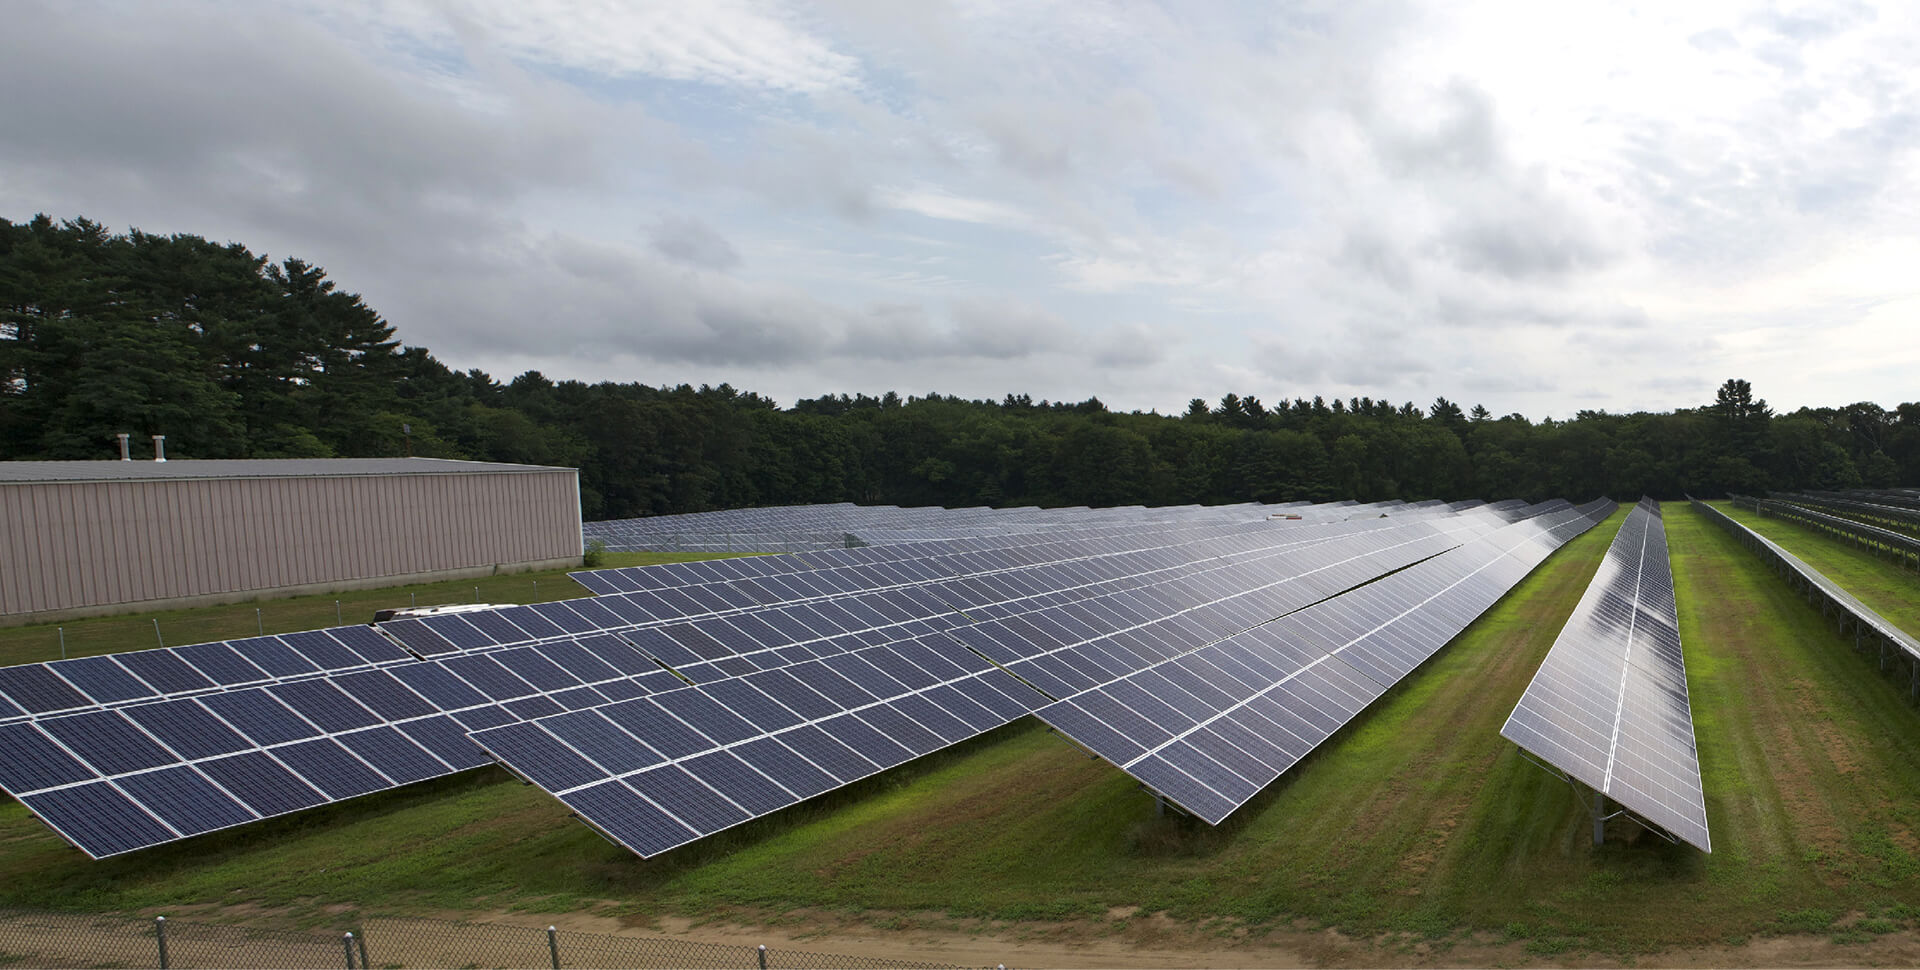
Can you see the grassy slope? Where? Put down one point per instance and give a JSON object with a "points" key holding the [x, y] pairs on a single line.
{"points": [[1418, 818], [1891, 590], [112, 634]]}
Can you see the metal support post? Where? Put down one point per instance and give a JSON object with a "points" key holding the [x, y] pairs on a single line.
{"points": [[763, 956], [63, 643], [156, 631], [1599, 818], [160, 933], [259, 622], [361, 942], [336, 614], [553, 946], [346, 946]]}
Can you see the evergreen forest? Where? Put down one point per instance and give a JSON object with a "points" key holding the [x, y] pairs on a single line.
{"points": [[233, 355]]}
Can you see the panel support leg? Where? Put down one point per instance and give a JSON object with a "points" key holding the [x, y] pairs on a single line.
{"points": [[1599, 818]]}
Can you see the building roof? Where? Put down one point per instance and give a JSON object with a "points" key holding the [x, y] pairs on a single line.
{"points": [[187, 468]]}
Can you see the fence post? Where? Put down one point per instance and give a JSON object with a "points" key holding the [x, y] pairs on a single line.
{"points": [[160, 933], [156, 632], [259, 623], [346, 944], [553, 947], [763, 956], [362, 941], [63, 643], [336, 614]]}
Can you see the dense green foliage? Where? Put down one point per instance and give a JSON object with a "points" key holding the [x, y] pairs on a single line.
{"points": [[232, 355]]}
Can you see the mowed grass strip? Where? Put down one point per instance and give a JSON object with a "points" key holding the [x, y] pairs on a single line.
{"points": [[1890, 589], [1417, 819], [41, 642]]}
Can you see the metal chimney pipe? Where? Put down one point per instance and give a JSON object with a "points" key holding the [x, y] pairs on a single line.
{"points": [[126, 453], [159, 447]]}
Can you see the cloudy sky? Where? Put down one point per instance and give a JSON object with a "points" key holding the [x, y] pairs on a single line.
{"points": [[1535, 206]]}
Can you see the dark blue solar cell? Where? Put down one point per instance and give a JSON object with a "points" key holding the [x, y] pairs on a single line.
{"points": [[30, 760], [657, 728], [262, 783], [574, 659], [164, 670], [832, 756], [596, 613], [481, 718], [794, 653], [529, 708], [757, 630], [324, 651], [697, 641], [498, 628], [626, 609], [601, 741], [379, 692], [728, 636], [324, 704], [419, 637], [185, 800], [868, 677], [1075, 722], [98, 819], [580, 698], [561, 616], [782, 764], [704, 714], [535, 669], [187, 728], [492, 679], [739, 781], [659, 681], [454, 629], [272, 656], [37, 690], [622, 690], [629, 819], [735, 666], [1001, 693], [655, 643], [1182, 789], [439, 685], [676, 604], [896, 725], [836, 688], [976, 715], [929, 715], [537, 626], [219, 662], [394, 754], [793, 694], [898, 667], [873, 745], [367, 642], [682, 795], [102, 679], [1042, 677], [258, 716], [328, 767], [761, 711], [447, 739], [618, 654]]}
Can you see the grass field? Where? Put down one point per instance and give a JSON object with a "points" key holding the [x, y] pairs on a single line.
{"points": [[1417, 820], [111, 634]]}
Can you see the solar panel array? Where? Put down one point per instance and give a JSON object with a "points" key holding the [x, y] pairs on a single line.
{"points": [[685, 698], [1609, 704], [820, 527], [739, 749]]}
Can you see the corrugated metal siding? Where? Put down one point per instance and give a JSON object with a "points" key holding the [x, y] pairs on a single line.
{"points": [[77, 544]]}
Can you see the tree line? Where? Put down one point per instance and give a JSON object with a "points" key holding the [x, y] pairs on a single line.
{"points": [[233, 355]]}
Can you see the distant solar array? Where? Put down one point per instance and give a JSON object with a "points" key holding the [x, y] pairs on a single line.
{"points": [[1609, 704], [1898, 544], [802, 528], [685, 698]]}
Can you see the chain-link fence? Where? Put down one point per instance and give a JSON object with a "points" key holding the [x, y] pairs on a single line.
{"points": [[35, 939]]}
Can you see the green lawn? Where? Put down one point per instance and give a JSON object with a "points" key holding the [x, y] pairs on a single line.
{"points": [[1890, 589], [1418, 819], [135, 631]]}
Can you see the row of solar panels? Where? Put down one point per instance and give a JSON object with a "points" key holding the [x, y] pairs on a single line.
{"points": [[1609, 704], [740, 750], [114, 780], [1904, 545], [1887, 513], [824, 527]]}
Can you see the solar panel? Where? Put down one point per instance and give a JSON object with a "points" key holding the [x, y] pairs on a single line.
{"points": [[1609, 704]]}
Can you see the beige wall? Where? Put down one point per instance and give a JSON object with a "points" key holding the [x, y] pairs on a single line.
{"points": [[65, 545]]}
